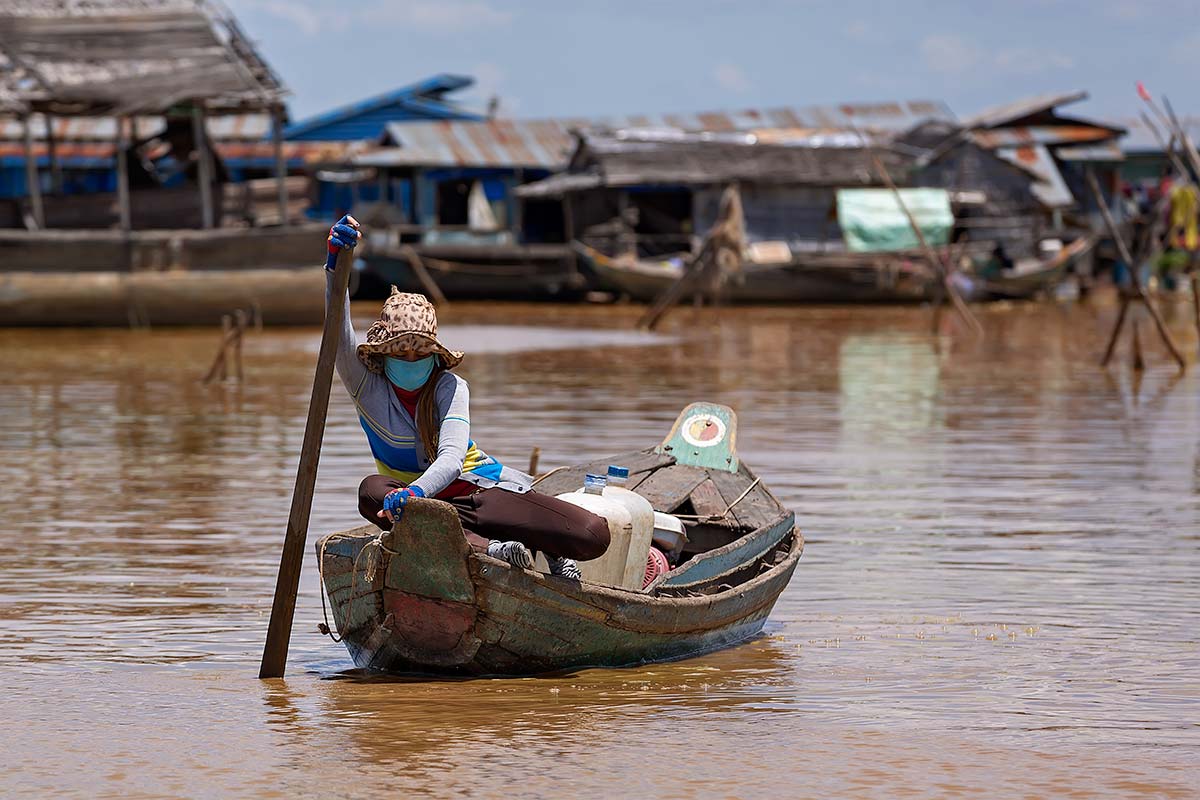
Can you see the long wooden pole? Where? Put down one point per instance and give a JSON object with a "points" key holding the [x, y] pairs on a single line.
{"points": [[934, 260], [1119, 241], [427, 282], [32, 182], [279, 630]]}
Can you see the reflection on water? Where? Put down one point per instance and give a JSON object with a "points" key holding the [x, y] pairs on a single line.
{"points": [[997, 597]]}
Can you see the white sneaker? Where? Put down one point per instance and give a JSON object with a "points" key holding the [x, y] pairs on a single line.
{"points": [[514, 553], [564, 567]]}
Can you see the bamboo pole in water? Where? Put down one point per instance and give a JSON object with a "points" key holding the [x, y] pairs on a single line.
{"points": [[1137, 284]]}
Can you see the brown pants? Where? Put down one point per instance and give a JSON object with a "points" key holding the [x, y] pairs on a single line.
{"points": [[538, 521]]}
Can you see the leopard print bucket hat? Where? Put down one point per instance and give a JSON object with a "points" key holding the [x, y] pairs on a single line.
{"points": [[408, 322]]}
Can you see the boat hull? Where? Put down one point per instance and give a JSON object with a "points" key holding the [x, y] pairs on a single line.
{"points": [[464, 272], [802, 280], [417, 600]]}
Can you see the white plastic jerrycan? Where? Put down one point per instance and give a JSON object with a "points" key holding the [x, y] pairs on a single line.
{"points": [[642, 515], [608, 569]]}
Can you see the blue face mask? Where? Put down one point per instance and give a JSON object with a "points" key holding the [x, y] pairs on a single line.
{"points": [[409, 375]]}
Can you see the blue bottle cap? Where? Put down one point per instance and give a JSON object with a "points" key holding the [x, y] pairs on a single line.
{"points": [[618, 472]]}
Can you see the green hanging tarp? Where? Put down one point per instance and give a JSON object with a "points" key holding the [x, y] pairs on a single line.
{"points": [[872, 220]]}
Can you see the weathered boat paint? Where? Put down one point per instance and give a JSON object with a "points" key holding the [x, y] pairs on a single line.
{"points": [[520, 621], [417, 599]]}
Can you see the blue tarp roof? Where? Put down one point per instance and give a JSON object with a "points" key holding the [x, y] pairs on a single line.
{"points": [[367, 119]]}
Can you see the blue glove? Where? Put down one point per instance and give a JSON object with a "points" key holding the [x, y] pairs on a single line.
{"points": [[342, 236], [395, 501]]}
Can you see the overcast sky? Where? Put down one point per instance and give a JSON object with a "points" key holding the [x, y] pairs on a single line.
{"points": [[564, 57]]}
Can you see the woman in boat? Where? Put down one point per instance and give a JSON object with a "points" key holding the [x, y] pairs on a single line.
{"points": [[416, 415]]}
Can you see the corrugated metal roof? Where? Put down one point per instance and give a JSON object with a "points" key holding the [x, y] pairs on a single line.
{"points": [[999, 115], [672, 157], [1041, 134], [548, 143], [1035, 159], [233, 127], [100, 153]]}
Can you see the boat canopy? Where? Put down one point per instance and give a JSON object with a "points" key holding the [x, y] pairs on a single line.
{"points": [[873, 221]]}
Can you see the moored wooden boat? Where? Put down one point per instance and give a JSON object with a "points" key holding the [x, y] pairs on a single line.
{"points": [[800, 278], [1039, 277], [417, 599], [468, 271]]}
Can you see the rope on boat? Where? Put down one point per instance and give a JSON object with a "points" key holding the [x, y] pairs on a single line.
{"points": [[545, 475], [723, 514], [375, 546]]}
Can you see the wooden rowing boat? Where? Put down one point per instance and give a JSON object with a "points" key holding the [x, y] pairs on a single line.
{"points": [[418, 600], [800, 278], [1027, 281]]}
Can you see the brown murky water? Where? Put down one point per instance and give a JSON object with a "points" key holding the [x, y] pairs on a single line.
{"points": [[999, 596]]}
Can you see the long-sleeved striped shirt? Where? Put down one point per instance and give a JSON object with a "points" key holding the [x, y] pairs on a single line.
{"points": [[392, 431]]}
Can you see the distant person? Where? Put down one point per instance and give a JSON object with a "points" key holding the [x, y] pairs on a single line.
{"points": [[999, 263], [417, 418]]}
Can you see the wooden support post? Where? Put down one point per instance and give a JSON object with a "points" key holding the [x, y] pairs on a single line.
{"points": [[569, 234], [227, 335], [239, 327], [280, 164], [940, 268], [626, 239], [1196, 303], [1116, 332], [1139, 362], [204, 165], [56, 183], [533, 460], [1119, 241], [32, 181], [123, 207]]}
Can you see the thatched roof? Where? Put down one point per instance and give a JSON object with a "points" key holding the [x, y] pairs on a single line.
{"points": [[661, 157], [116, 57]]}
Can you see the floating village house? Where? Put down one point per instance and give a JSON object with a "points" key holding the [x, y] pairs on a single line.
{"points": [[1058, 149], [155, 72], [656, 191], [456, 203], [341, 187]]}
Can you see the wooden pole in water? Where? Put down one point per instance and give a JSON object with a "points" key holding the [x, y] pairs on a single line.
{"points": [[1137, 284], [1116, 331], [279, 630], [239, 328], [1139, 362], [934, 261]]}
